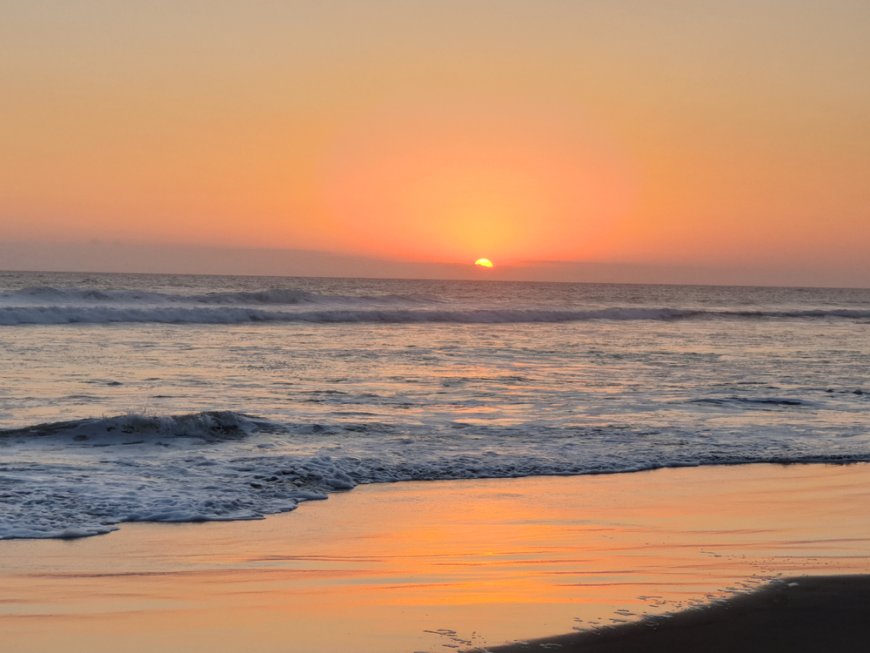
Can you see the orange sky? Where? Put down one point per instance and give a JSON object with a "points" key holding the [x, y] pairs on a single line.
{"points": [[669, 133]]}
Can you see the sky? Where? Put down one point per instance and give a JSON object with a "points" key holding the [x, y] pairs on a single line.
{"points": [[668, 141]]}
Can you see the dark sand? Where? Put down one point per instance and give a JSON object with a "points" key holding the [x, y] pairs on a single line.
{"points": [[811, 614]]}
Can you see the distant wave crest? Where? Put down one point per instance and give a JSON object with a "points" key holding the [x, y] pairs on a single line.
{"points": [[52, 296], [228, 314]]}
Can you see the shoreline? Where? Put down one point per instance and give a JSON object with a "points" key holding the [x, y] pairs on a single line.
{"points": [[791, 615], [420, 566], [108, 527]]}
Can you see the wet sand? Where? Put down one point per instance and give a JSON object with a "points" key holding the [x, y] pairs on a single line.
{"points": [[795, 615], [438, 566]]}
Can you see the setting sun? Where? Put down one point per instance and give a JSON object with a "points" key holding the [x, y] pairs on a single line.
{"points": [[242, 267]]}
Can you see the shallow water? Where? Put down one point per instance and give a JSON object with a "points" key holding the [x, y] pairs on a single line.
{"points": [[294, 388], [438, 566]]}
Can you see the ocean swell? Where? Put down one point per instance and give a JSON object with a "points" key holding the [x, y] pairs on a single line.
{"points": [[73, 314], [209, 426], [42, 295]]}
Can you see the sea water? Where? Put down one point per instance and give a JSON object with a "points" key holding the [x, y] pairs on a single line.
{"points": [[191, 398]]}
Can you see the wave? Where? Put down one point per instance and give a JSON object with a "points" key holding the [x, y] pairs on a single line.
{"points": [[41, 295], [67, 501], [752, 401], [71, 314], [85, 477], [209, 426]]}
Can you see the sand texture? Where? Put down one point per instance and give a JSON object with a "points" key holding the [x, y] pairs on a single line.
{"points": [[796, 615]]}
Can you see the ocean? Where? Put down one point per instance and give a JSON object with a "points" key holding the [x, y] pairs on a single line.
{"points": [[193, 398]]}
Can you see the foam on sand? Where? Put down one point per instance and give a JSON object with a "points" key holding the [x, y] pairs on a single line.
{"points": [[85, 477]]}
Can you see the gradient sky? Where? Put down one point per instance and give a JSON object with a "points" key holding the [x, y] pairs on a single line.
{"points": [[723, 142]]}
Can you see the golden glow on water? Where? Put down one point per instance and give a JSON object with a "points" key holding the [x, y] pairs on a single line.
{"points": [[374, 569]]}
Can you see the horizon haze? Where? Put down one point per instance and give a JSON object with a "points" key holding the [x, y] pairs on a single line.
{"points": [[98, 257]]}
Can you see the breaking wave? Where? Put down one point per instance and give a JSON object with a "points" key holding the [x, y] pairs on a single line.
{"points": [[209, 426], [85, 477], [267, 296], [229, 314]]}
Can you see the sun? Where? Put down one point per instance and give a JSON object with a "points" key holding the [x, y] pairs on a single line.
{"points": [[484, 263]]}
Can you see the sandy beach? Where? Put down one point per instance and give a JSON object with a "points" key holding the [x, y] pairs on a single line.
{"points": [[823, 613], [439, 565]]}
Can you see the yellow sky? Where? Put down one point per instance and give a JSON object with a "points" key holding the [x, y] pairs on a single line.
{"points": [[655, 132]]}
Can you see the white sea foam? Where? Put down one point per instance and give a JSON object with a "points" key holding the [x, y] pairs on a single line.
{"points": [[85, 477]]}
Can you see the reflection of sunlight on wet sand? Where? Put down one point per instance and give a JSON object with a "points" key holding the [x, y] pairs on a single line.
{"points": [[376, 568]]}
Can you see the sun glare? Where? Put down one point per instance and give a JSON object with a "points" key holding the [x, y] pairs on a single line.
{"points": [[483, 263]]}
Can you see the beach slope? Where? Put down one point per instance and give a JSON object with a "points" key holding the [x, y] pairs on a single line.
{"points": [[795, 615]]}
